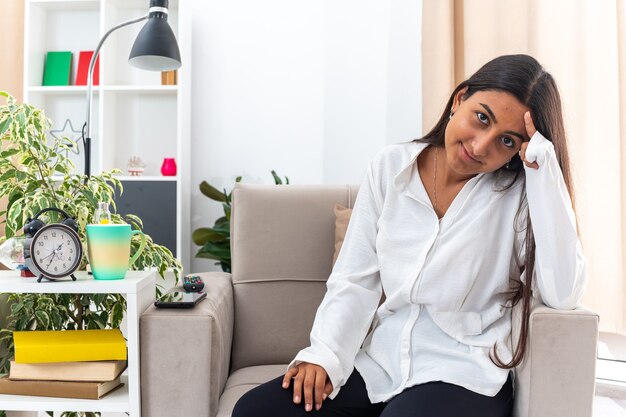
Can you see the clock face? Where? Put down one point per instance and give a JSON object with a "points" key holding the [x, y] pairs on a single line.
{"points": [[56, 251]]}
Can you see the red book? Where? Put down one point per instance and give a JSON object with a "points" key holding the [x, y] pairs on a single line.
{"points": [[83, 68]]}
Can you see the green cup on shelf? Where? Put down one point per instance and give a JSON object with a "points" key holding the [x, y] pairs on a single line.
{"points": [[109, 249]]}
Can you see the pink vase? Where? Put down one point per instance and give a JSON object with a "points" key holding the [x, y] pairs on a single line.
{"points": [[168, 168]]}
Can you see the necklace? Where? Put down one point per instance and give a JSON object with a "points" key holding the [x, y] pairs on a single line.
{"points": [[435, 183]]}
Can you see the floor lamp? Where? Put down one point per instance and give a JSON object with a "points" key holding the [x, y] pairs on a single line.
{"points": [[155, 49]]}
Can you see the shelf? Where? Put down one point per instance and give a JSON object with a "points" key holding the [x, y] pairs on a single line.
{"points": [[173, 89], [154, 178], [11, 282], [61, 106], [116, 401], [145, 178], [70, 89], [53, 26], [116, 69], [82, 89], [67, 4], [139, 4], [133, 113], [133, 134], [138, 287]]}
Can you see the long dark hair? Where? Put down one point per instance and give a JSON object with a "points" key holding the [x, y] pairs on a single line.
{"points": [[524, 78]]}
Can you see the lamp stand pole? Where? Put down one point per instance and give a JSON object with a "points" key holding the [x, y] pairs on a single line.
{"points": [[92, 64]]}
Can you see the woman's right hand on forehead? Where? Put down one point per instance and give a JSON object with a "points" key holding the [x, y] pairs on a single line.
{"points": [[530, 131], [310, 382]]}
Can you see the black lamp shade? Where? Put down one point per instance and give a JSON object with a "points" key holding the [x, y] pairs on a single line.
{"points": [[155, 48]]}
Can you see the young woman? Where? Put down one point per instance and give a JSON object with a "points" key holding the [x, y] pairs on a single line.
{"points": [[454, 228]]}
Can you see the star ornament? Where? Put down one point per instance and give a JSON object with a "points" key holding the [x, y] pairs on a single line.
{"points": [[70, 133]]}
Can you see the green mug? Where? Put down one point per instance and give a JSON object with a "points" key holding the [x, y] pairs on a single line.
{"points": [[109, 249]]}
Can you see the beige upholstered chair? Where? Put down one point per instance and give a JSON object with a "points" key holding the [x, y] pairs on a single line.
{"points": [[198, 362]]}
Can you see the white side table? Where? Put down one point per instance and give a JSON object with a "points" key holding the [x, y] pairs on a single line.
{"points": [[139, 290]]}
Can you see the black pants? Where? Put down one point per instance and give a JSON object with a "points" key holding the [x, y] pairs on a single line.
{"points": [[433, 399]]}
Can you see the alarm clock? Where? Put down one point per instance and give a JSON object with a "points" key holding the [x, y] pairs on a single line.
{"points": [[52, 251]]}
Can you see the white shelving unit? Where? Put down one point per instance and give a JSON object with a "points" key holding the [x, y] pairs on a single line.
{"points": [[138, 288], [133, 114]]}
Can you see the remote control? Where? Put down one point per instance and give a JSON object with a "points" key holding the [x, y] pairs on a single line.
{"points": [[193, 283]]}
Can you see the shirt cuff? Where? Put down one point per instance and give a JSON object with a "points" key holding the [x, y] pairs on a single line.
{"points": [[332, 368], [538, 148]]}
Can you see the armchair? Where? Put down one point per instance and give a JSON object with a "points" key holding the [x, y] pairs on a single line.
{"points": [[199, 362]]}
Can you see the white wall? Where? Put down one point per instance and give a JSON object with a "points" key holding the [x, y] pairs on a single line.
{"points": [[309, 89]]}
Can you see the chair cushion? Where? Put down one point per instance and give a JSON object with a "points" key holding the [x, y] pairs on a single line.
{"points": [[242, 381], [342, 218]]}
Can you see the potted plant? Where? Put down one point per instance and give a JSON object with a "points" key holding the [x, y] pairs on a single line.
{"points": [[215, 241], [35, 174]]}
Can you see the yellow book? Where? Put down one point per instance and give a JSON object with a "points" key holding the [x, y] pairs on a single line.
{"points": [[69, 346]]}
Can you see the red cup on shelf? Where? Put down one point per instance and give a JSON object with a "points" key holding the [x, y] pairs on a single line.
{"points": [[168, 168]]}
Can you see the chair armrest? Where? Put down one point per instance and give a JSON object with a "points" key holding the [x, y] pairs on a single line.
{"points": [[185, 353], [557, 376]]}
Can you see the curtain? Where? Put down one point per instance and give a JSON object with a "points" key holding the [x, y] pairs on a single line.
{"points": [[582, 43], [12, 47]]}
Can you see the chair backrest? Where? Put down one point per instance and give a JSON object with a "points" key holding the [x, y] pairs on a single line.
{"points": [[282, 244]]}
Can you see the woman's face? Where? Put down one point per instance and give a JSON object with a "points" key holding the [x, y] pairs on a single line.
{"points": [[485, 132]]}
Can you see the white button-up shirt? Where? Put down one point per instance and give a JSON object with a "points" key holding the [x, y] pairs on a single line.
{"points": [[445, 281]]}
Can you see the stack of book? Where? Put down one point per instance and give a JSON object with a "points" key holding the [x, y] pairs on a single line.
{"points": [[70, 364]]}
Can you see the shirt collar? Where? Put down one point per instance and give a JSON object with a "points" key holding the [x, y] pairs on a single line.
{"points": [[401, 179]]}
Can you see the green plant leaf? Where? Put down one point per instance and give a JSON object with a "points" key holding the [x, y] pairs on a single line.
{"points": [[222, 228], [20, 175], [98, 299], [15, 213], [9, 152], [22, 323], [89, 196], [57, 320], [204, 235], [227, 210], [85, 300], [117, 313], [134, 221], [221, 222], [15, 308], [217, 251], [4, 126], [104, 316], [43, 318], [211, 192], [277, 179], [62, 168]]}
